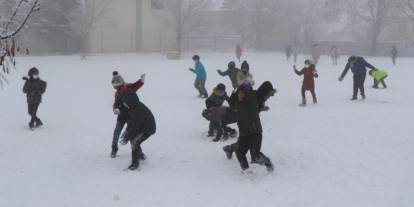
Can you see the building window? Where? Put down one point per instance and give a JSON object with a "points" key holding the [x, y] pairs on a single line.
{"points": [[157, 4]]}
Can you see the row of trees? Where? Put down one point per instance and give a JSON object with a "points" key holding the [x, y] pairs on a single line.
{"points": [[298, 19]]}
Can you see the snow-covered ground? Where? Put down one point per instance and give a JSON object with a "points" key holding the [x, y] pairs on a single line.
{"points": [[338, 153]]}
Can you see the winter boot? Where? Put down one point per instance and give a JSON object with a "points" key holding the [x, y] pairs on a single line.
{"points": [[142, 156], [354, 98], [113, 152], [269, 166], [133, 166], [229, 151], [32, 125], [303, 102], [315, 100], [363, 96], [39, 123]]}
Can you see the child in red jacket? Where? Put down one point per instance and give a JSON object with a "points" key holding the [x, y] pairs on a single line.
{"points": [[309, 74], [121, 88]]}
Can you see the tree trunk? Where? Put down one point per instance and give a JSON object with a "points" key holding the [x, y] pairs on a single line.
{"points": [[374, 42]]}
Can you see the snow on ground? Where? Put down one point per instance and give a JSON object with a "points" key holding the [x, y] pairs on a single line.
{"points": [[338, 153]]}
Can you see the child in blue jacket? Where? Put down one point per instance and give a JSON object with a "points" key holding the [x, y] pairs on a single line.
{"points": [[201, 77]]}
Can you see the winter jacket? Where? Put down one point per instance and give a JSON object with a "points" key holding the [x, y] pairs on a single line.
{"points": [[141, 120], [263, 93], [34, 89], [118, 97], [220, 114], [379, 74], [308, 77], [358, 66], [232, 73], [215, 100], [200, 71], [244, 77], [247, 111]]}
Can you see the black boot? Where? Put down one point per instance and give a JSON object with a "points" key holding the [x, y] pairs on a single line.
{"points": [[133, 166], [354, 98], [114, 151], [31, 125], [39, 123], [229, 151], [303, 102]]}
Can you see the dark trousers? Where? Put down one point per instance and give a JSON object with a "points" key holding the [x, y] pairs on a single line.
{"points": [[394, 60], [253, 144], [136, 150], [117, 133], [304, 95], [32, 108], [200, 86], [377, 82], [359, 81]]}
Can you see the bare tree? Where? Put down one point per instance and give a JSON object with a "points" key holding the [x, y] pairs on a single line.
{"points": [[410, 10], [9, 28], [257, 18], [90, 15], [185, 16], [373, 16]]}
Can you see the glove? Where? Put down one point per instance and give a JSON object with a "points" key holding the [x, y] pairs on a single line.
{"points": [[143, 77], [340, 78], [192, 70], [123, 140], [117, 111]]}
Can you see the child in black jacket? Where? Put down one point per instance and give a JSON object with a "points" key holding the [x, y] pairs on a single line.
{"points": [[34, 88]]}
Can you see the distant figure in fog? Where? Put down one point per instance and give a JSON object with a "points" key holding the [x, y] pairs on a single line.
{"points": [[239, 52], [288, 52], [315, 53], [394, 54], [334, 54]]}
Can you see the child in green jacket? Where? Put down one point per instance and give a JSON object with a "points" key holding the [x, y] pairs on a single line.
{"points": [[379, 77]]}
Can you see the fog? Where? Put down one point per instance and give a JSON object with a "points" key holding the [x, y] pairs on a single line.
{"points": [[368, 27]]}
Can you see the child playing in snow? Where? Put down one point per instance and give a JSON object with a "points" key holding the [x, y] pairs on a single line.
{"points": [[262, 94], [244, 76], [215, 103], [245, 103], [121, 88], [201, 77], [379, 77], [34, 88], [141, 126], [219, 117], [232, 72], [309, 73]]}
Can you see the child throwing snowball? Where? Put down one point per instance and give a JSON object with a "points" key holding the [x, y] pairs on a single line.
{"points": [[309, 74]]}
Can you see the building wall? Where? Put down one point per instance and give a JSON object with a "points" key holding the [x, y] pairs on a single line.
{"points": [[133, 26]]}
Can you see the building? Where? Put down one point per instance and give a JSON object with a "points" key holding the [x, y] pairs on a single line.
{"points": [[134, 26]]}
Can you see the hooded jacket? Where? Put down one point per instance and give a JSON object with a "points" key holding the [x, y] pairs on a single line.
{"points": [[247, 110], [141, 120], [262, 93], [358, 66], [232, 72]]}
